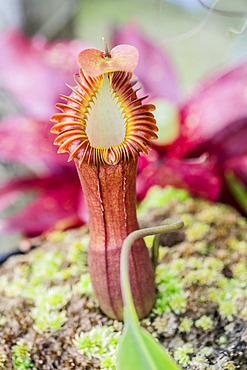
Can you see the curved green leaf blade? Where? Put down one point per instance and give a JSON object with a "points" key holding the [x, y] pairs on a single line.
{"points": [[238, 189], [139, 350]]}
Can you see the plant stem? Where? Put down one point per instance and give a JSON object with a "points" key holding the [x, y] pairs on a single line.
{"points": [[170, 224]]}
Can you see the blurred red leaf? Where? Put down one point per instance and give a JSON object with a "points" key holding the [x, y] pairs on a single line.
{"points": [[57, 197], [215, 112], [35, 71], [27, 141], [199, 176], [155, 71]]}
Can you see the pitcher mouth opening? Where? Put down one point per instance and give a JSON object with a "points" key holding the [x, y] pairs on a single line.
{"points": [[104, 122]]}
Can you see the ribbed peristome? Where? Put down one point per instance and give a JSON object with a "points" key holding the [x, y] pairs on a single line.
{"points": [[72, 125]]}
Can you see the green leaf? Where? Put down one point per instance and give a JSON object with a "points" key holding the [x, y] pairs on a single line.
{"points": [[139, 350], [238, 190]]}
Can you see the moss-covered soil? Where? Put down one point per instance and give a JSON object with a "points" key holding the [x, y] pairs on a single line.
{"points": [[49, 318]]}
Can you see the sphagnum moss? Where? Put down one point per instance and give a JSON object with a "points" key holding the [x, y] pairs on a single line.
{"points": [[21, 356], [101, 343], [185, 325], [3, 359], [201, 300], [205, 322]]}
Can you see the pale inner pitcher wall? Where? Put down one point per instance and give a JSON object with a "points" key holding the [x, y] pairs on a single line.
{"points": [[105, 124]]}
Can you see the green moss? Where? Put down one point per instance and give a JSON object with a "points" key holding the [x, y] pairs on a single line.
{"points": [[188, 219], [170, 291], [178, 302], [243, 313], [205, 322], [233, 244], [36, 282], [177, 265], [56, 265], [3, 283], [227, 365], [108, 362], [194, 263], [205, 277], [242, 221], [166, 324], [228, 295], [158, 197], [77, 252], [35, 285], [237, 245], [21, 356], [53, 298], [47, 312], [3, 320], [46, 265], [47, 320], [210, 214], [200, 361], [202, 247], [56, 236], [185, 325], [101, 343], [206, 351], [3, 359], [181, 354], [198, 231], [222, 340], [240, 271], [214, 263], [15, 287], [228, 309], [84, 286], [65, 273]]}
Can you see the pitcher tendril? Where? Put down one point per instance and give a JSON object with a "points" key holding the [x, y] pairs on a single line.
{"points": [[168, 225]]}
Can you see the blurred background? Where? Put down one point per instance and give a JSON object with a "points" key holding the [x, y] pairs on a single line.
{"points": [[181, 42]]}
